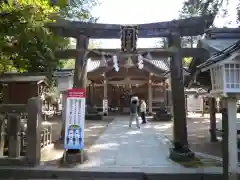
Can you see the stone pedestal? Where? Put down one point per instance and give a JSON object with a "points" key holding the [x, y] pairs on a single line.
{"points": [[162, 115], [74, 157]]}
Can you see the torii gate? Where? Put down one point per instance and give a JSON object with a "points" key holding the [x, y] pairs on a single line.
{"points": [[172, 30]]}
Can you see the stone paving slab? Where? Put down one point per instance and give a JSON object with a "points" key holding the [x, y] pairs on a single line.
{"points": [[121, 146]]}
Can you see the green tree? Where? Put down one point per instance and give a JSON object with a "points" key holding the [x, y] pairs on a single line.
{"points": [[193, 8], [25, 43]]}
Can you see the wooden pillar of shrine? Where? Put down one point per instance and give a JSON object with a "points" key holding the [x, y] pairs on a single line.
{"points": [[92, 93], [80, 81], [150, 95], [180, 141]]}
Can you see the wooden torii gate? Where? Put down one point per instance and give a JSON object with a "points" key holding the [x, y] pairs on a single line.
{"points": [[172, 30]]}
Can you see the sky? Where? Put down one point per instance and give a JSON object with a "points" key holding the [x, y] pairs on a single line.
{"points": [[146, 11]]}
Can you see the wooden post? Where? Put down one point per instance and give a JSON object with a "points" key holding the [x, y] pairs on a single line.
{"points": [[13, 127], [64, 101], [212, 129], [225, 138], [178, 99], [93, 94], [34, 126], [150, 95]]}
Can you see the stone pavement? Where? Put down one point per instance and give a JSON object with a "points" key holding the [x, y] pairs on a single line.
{"points": [[121, 147], [122, 153]]}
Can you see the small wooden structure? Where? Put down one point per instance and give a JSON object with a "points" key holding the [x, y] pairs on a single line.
{"points": [[19, 87]]}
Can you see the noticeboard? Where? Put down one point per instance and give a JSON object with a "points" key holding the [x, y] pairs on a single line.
{"points": [[75, 119], [105, 106]]}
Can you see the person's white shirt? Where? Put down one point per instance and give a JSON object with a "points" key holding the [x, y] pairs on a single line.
{"points": [[143, 106]]}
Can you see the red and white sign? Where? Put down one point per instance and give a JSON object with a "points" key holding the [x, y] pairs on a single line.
{"points": [[76, 93], [75, 119]]}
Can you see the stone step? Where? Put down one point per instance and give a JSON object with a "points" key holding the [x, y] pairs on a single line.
{"points": [[71, 179], [64, 174]]}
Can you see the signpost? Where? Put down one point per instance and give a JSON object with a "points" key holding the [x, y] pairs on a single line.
{"points": [[105, 106], [75, 119]]}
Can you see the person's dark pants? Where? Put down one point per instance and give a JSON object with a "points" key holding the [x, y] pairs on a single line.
{"points": [[143, 116]]}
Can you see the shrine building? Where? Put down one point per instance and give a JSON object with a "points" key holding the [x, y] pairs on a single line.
{"points": [[104, 83]]}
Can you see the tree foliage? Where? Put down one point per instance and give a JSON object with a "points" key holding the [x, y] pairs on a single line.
{"points": [[79, 10], [200, 7], [25, 43], [193, 8]]}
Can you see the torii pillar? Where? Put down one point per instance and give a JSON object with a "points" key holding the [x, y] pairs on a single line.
{"points": [[80, 81], [180, 141]]}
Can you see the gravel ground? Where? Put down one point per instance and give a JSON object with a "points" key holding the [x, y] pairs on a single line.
{"points": [[198, 135], [93, 129]]}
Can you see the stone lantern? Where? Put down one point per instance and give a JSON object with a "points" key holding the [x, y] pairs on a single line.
{"points": [[64, 79], [225, 83]]}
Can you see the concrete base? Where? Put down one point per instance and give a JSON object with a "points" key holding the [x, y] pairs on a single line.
{"points": [[181, 154], [74, 157]]}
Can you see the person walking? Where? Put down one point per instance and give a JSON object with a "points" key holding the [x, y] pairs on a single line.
{"points": [[143, 110], [134, 112]]}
